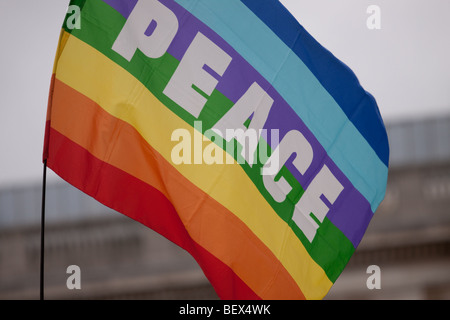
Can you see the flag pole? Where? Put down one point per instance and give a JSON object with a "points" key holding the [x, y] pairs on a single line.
{"points": [[44, 186]]}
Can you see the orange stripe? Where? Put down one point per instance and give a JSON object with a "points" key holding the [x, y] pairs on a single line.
{"points": [[210, 224]]}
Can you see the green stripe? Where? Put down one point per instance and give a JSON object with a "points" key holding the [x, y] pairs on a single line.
{"points": [[330, 248]]}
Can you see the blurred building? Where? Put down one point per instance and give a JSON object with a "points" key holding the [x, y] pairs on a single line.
{"points": [[408, 238], [118, 257]]}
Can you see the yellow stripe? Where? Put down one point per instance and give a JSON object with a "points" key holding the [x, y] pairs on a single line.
{"points": [[61, 44], [88, 71]]}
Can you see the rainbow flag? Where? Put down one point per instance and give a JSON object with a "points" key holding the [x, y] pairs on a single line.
{"points": [[225, 127]]}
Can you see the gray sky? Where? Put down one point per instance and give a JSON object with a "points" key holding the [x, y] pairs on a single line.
{"points": [[405, 64]]}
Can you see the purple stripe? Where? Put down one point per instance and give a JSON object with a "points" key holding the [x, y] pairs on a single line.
{"points": [[351, 213], [124, 7]]}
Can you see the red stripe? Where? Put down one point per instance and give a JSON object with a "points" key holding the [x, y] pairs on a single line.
{"points": [[141, 202], [47, 123]]}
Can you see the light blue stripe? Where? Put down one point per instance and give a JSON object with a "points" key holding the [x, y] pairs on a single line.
{"points": [[287, 73]]}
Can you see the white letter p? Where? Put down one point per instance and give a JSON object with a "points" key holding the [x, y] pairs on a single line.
{"points": [[150, 27]]}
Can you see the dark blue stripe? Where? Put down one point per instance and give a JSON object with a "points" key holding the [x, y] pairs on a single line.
{"points": [[338, 79]]}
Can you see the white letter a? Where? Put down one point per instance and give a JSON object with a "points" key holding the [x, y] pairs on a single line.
{"points": [[374, 20], [374, 281], [74, 281]]}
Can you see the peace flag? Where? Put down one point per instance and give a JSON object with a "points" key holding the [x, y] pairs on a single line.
{"points": [[225, 127]]}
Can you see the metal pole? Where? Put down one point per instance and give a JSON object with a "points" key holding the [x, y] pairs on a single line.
{"points": [[44, 183]]}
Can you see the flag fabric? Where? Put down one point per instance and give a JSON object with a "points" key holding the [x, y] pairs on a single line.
{"points": [[225, 127]]}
